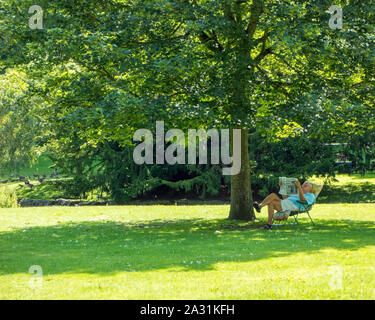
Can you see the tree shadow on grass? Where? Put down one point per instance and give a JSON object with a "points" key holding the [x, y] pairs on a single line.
{"points": [[108, 247]]}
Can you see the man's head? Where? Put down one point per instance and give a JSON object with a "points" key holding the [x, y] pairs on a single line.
{"points": [[307, 187]]}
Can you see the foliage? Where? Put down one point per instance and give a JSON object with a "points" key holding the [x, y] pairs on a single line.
{"points": [[360, 151], [109, 170], [8, 198], [113, 171], [106, 68], [18, 128]]}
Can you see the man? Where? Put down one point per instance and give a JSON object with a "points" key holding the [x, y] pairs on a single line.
{"points": [[287, 203]]}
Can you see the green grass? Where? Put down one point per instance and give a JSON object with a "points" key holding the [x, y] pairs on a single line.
{"points": [[185, 252], [343, 179], [355, 188], [191, 252], [41, 166]]}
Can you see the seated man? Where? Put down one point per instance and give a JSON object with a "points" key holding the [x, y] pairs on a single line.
{"points": [[287, 203]]}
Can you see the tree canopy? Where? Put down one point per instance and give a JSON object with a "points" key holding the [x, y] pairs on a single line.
{"points": [[106, 68]]}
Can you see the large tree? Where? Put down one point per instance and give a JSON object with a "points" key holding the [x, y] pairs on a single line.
{"points": [[111, 67]]}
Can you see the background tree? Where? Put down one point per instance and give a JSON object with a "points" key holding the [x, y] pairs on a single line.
{"points": [[111, 67], [18, 127]]}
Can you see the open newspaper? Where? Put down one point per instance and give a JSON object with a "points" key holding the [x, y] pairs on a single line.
{"points": [[288, 186]]}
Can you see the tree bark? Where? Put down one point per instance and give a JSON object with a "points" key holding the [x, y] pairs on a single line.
{"points": [[241, 200]]}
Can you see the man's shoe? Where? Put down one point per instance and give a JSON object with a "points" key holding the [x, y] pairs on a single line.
{"points": [[267, 226], [256, 206]]}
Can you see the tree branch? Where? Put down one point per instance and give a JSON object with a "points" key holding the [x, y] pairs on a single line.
{"points": [[257, 9], [175, 30], [206, 40], [228, 13]]}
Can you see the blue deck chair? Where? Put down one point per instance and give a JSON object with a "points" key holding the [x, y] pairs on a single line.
{"points": [[281, 215]]}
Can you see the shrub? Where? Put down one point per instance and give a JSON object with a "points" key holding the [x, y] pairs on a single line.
{"points": [[8, 198]]}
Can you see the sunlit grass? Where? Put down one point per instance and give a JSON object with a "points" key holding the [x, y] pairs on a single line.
{"points": [[41, 166], [342, 179], [355, 188]]}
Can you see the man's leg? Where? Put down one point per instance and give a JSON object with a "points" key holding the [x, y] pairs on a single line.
{"points": [[270, 212], [270, 198], [274, 203]]}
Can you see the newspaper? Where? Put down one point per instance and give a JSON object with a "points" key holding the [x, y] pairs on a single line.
{"points": [[288, 186]]}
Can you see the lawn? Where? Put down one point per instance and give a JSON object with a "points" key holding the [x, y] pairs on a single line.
{"points": [[41, 166], [355, 188], [186, 252]]}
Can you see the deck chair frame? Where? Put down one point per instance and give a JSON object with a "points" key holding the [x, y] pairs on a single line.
{"points": [[306, 209]]}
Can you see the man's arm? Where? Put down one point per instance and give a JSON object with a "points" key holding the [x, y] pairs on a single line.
{"points": [[300, 192]]}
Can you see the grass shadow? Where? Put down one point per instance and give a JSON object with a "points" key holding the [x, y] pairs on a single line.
{"points": [[108, 247]]}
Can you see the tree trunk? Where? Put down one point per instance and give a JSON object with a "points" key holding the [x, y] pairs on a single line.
{"points": [[241, 200]]}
